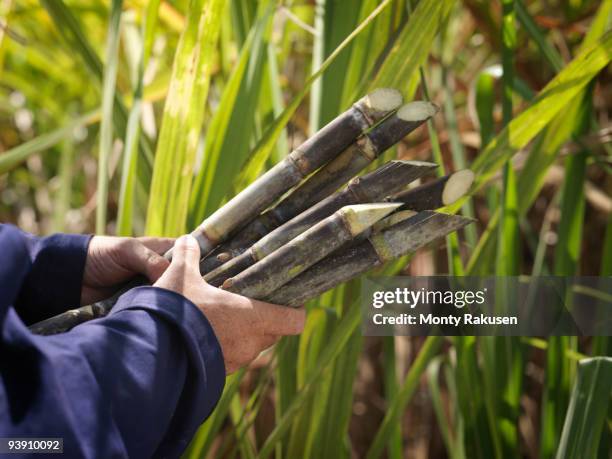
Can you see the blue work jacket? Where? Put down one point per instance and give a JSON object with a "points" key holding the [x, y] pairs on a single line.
{"points": [[137, 383]]}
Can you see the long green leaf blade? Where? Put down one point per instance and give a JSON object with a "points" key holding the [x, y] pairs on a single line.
{"points": [[227, 139], [106, 123], [589, 406], [15, 156], [550, 101], [182, 119], [399, 70], [125, 212]]}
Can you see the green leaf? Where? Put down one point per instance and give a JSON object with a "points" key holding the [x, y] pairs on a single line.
{"points": [[15, 156], [588, 409], [333, 22], [71, 29], [182, 120], [454, 445], [546, 147], [265, 146], [106, 123], [569, 244], [129, 170], [400, 67], [231, 128], [203, 439], [550, 101], [365, 50], [336, 344], [508, 248], [396, 406], [550, 54], [65, 173]]}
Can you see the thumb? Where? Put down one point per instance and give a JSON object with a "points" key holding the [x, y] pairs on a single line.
{"points": [[186, 252]]}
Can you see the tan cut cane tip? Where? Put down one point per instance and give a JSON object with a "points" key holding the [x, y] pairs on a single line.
{"points": [[384, 99], [457, 186], [360, 217], [417, 111], [228, 283], [224, 257]]}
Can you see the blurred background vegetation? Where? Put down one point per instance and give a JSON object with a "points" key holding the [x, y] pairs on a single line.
{"points": [[141, 117]]}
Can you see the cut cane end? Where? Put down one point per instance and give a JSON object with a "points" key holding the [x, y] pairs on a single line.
{"points": [[457, 186], [384, 100], [360, 217], [227, 284], [417, 111], [224, 257]]}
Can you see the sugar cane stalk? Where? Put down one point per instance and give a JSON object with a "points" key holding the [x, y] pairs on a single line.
{"points": [[375, 186], [305, 250], [308, 157], [438, 193], [326, 180], [398, 240], [67, 320]]}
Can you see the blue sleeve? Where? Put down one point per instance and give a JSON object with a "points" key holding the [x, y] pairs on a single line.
{"points": [[137, 383], [55, 264]]}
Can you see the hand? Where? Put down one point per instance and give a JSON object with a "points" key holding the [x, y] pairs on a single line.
{"points": [[244, 327], [113, 260]]}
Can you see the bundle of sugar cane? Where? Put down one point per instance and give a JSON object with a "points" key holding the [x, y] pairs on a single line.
{"points": [[308, 157], [375, 186], [323, 256], [326, 180], [327, 225]]}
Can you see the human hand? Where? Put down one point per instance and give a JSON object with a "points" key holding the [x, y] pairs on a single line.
{"points": [[244, 327], [113, 260]]}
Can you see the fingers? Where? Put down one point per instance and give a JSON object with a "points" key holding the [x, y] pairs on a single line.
{"points": [[158, 245], [187, 252], [280, 320], [269, 340], [143, 260], [156, 265], [273, 319]]}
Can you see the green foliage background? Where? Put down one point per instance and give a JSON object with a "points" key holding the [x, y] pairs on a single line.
{"points": [[142, 117]]}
